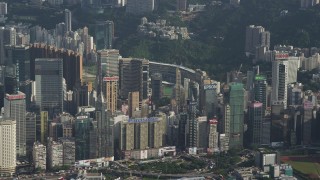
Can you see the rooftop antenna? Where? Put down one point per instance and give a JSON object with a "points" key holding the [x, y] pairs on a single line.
{"points": [[17, 78]]}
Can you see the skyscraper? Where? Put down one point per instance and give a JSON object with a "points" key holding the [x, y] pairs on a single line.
{"points": [[104, 146], [49, 85], [260, 90], [15, 107], [104, 34], [140, 6], [255, 123], [156, 85], [236, 101], [111, 92], [280, 80], [7, 146], [110, 62], [68, 20], [192, 137], [256, 36], [134, 76]]}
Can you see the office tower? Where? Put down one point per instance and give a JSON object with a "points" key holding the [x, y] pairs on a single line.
{"points": [[39, 155], [31, 119], [104, 34], [266, 131], [72, 62], [279, 80], [307, 121], [82, 135], [15, 107], [134, 76], [54, 153], [181, 5], [182, 131], [49, 85], [7, 146], [178, 91], [139, 7], [104, 121], [3, 8], [67, 130], [156, 86], [80, 96], [55, 130], [68, 20], [260, 90], [133, 103], [111, 92], [110, 62], [295, 94], [203, 132], [255, 112], [213, 136], [210, 98], [192, 139], [236, 102], [44, 123], [256, 36], [19, 56]]}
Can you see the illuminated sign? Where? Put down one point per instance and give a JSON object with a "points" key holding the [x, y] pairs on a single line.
{"points": [[16, 96], [82, 117], [210, 86], [213, 121], [142, 120], [114, 78], [282, 56], [260, 78]]}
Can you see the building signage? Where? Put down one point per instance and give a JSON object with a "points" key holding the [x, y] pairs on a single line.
{"points": [[142, 120], [16, 96], [113, 78], [260, 78], [210, 86], [282, 56], [213, 121], [82, 117]]}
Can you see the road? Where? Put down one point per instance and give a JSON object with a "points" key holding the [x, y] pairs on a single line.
{"points": [[137, 173]]}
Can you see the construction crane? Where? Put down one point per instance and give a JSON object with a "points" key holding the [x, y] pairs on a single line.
{"points": [[237, 75]]}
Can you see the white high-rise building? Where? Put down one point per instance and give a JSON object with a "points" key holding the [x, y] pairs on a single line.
{"points": [[7, 146], [39, 155], [294, 65], [280, 79], [68, 19], [15, 107]]}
